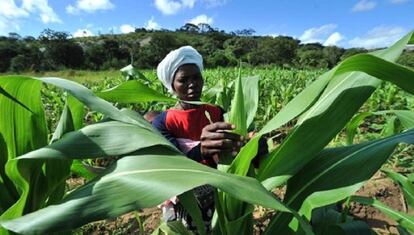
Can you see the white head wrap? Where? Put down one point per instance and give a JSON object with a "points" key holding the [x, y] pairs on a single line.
{"points": [[169, 65]]}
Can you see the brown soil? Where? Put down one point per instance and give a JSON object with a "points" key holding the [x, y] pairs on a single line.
{"points": [[389, 193], [125, 224]]}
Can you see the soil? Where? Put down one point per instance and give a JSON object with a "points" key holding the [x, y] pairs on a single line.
{"points": [[379, 187], [389, 193]]}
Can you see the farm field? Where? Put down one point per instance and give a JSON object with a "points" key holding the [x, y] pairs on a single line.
{"points": [[277, 88], [339, 141]]}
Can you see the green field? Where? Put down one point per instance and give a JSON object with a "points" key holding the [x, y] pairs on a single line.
{"points": [[328, 133]]}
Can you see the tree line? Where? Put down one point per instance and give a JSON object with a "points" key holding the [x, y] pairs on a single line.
{"points": [[54, 50]]}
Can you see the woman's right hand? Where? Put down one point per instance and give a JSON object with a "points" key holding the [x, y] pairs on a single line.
{"points": [[216, 138]]}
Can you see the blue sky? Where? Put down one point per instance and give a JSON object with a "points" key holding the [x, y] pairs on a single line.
{"points": [[345, 23]]}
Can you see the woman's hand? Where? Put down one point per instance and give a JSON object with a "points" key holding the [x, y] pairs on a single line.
{"points": [[216, 138]]}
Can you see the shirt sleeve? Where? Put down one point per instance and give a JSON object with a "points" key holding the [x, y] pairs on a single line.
{"points": [[160, 124]]}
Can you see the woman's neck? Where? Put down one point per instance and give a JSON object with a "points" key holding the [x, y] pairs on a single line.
{"points": [[184, 106]]}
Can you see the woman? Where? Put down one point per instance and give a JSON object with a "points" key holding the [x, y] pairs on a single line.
{"points": [[197, 130]]}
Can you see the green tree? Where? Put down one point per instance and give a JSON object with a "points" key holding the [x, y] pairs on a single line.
{"points": [[279, 50], [353, 51], [61, 50], [8, 50], [332, 55], [311, 56]]}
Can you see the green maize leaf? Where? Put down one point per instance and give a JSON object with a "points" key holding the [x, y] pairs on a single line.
{"points": [[152, 177], [23, 127], [190, 204], [402, 230], [323, 198], [64, 125], [100, 140], [353, 125], [172, 228], [406, 185], [337, 170], [250, 86], [238, 115], [295, 107], [389, 126], [95, 103], [6, 94], [350, 228], [78, 168], [8, 194], [133, 91], [375, 67], [327, 220], [76, 109], [243, 110], [341, 99], [406, 118], [129, 72], [58, 170], [405, 220]]}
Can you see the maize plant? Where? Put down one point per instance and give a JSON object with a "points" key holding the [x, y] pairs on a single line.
{"points": [[152, 170]]}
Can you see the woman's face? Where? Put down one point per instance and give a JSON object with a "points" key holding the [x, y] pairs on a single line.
{"points": [[188, 82]]}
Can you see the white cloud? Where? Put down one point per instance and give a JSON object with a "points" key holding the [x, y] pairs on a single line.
{"points": [[398, 1], [152, 25], [126, 28], [364, 5], [214, 3], [316, 34], [171, 7], [381, 36], [11, 14], [8, 9], [46, 13], [71, 9], [201, 19], [89, 6], [82, 33], [333, 39]]}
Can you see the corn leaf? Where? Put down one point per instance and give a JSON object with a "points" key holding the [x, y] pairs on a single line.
{"points": [[152, 177], [350, 228], [405, 220], [190, 204], [406, 118], [23, 128], [238, 115], [133, 91], [336, 174], [100, 140], [345, 93], [250, 86], [172, 228], [406, 185]]}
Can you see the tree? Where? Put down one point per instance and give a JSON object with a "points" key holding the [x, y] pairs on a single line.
{"points": [[240, 46], [353, 51], [244, 32], [190, 28], [332, 55], [280, 50], [95, 56], [205, 28], [311, 59], [60, 50], [160, 45], [8, 50]]}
